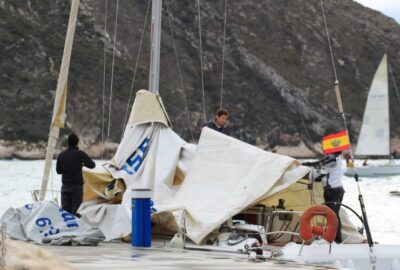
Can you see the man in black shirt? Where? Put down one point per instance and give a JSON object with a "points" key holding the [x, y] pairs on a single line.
{"points": [[220, 122], [69, 165]]}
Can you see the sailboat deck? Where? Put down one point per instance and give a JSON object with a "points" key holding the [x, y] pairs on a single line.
{"points": [[124, 256]]}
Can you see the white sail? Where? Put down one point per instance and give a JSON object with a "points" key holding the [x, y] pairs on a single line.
{"points": [[374, 138]]}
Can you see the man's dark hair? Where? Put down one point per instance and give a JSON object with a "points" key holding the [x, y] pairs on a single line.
{"points": [[222, 112], [73, 140]]}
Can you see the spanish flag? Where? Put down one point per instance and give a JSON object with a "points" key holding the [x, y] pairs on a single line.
{"points": [[335, 142]]}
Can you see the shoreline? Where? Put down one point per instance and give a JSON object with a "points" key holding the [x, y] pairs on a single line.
{"points": [[20, 150]]}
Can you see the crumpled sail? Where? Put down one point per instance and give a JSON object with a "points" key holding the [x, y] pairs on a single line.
{"points": [[150, 155], [223, 175], [374, 138], [46, 222], [226, 177]]}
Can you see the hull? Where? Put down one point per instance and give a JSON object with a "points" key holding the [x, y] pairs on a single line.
{"points": [[371, 171], [351, 256]]}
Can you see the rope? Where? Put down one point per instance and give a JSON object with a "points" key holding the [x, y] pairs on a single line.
{"points": [[104, 75], [307, 132], [223, 55], [112, 70], [329, 41], [339, 100], [180, 73], [135, 70], [341, 111], [201, 62], [54, 198], [398, 99], [394, 83]]}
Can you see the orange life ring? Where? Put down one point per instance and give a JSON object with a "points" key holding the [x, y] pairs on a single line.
{"points": [[328, 232]]}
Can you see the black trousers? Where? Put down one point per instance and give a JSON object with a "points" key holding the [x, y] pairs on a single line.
{"points": [[71, 198], [332, 195]]}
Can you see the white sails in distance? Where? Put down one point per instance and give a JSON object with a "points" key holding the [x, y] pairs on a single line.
{"points": [[374, 138]]}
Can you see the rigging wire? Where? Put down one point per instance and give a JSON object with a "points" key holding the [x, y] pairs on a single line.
{"points": [[398, 99], [54, 198], [201, 61], [223, 54], [104, 72], [341, 111], [339, 100], [180, 72], [329, 41], [307, 132], [112, 70], [394, 83], [308, 86], [124, 123]]}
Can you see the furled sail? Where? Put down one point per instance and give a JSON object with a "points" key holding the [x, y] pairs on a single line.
{"points": [[374, 138], [58, 118]]}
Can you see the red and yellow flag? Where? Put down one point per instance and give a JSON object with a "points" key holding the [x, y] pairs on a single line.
{"points": [[335, 142]]}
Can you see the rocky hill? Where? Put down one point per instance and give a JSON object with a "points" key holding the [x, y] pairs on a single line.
{"points": [[278, 74]]}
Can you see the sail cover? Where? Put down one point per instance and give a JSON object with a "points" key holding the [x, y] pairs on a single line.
{"points": [[374, 136]]}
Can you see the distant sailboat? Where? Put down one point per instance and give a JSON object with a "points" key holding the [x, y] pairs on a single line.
{"points": [[374, 138]]}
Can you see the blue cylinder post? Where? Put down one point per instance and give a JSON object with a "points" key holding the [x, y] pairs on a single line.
{"points": [[141, 214]]}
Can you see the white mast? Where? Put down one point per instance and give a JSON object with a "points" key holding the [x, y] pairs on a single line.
{"points": [[58, 118], [154, 75]]}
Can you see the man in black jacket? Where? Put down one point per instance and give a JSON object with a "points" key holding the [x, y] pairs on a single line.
{"points": [[220, 122], [69, 165]]}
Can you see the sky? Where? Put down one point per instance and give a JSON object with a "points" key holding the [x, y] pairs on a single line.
{"points": [[390, 8]]}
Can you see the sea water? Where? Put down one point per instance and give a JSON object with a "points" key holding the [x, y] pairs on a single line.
{"points": [[18, 178]]}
